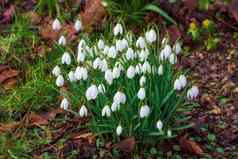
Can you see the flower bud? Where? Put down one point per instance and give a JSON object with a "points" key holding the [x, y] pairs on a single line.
{"points": [[56, 71], [78, 25], [130, 72], [144, 111], [60, 81], [118, 29], [141, 93], [66, 59], [159, 125], [64, 104], [140, 43], [151, 36], [83, 112], [62, 41], [106, 111], [119, 130], [193, 92], [92, 92], [56, 25]]}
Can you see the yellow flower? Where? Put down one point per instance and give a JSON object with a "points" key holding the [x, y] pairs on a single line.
{"points": [[206, 23], [193, 26]]}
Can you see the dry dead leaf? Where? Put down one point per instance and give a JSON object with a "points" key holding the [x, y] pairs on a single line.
{"points": [[8, 127], [46, 30], [36, 119], [216, 110], [93, 14], [34, 17], [89, 137], [8, 73], [126, 145], [190, 146], [234, 9]]}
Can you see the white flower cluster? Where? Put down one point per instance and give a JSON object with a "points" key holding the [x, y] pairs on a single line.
{"points": [[102, 70]]}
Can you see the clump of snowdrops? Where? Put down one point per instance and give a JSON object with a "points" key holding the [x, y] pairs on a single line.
{"points": [[128, 85]]}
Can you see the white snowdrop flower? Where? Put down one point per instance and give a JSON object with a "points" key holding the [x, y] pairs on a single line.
{"points": [[101, 88], [62, 40], [151, 36], [177, 48], [142, 81], [115, 107], [141, 93], [119, 45], [144, 111], [106, 50], [160, 70], [146, 68], [64, 104], [119, 66], [173, 59], [71, 76], [109, 76], [112, 52], [81, 55], [106, 111], [125, 43], [130, 54], [116, 72], [183, 80], [193, 92], [101, 44], [130, 73], [60, 81], [118, 29], [119, 98], [104, 4], [81, 73], [177, 85], [166, 52], [97, 63], [56, 25], [159, 125], [66, 59], [91, 92], [82, 44], [140, 43], [138, 69], [103, 65], [143, 55], [56, 71], [78, 25], [83, 112], [169, 133], [119, 130]]}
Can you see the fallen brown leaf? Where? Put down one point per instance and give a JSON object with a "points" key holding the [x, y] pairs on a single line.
{"points": [[216, 110], [89, 137], [126, 146], [8, 73], [234, 9], [190, 146], [9, 84], [46, 30], [8, 126], [36, 119]]}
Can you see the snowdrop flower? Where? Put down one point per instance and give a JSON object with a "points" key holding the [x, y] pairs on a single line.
{"points": [[103, 65], [119, 45], [125, 43], [130, 54], [96, 63], [177, 85], [106, 111], [112, 52], [169, 133], [91, 92], [119, 98], [183, 80], [81, 55], [56, 25], [118, 29], [106, 50], [60, 81], [143, 55], [173, 59], [115, 106], [177, 48], [64, 104], [140, 43], [56, 71], [144, 111], [83, 112], [138, 69], [193, 92], [66, 59], [71, 76], [130, 73], [109, 76], [142, 81], [160, 70], [78, 25], [119, 130], [81, 73], [151, 36], [62, 40], [141, 93], [101, 44], [159, 125], [81, 44], [101, 89], [146, 68], [116, 72], [166, 52]]}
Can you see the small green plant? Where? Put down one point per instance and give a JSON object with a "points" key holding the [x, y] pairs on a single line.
{"points": [[51, 5], [128, 85], [194, 30], [133, 11]]}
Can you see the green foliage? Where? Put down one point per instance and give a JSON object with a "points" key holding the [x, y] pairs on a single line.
{"points": [[51, 5], [133, 11], [204, 4]]}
